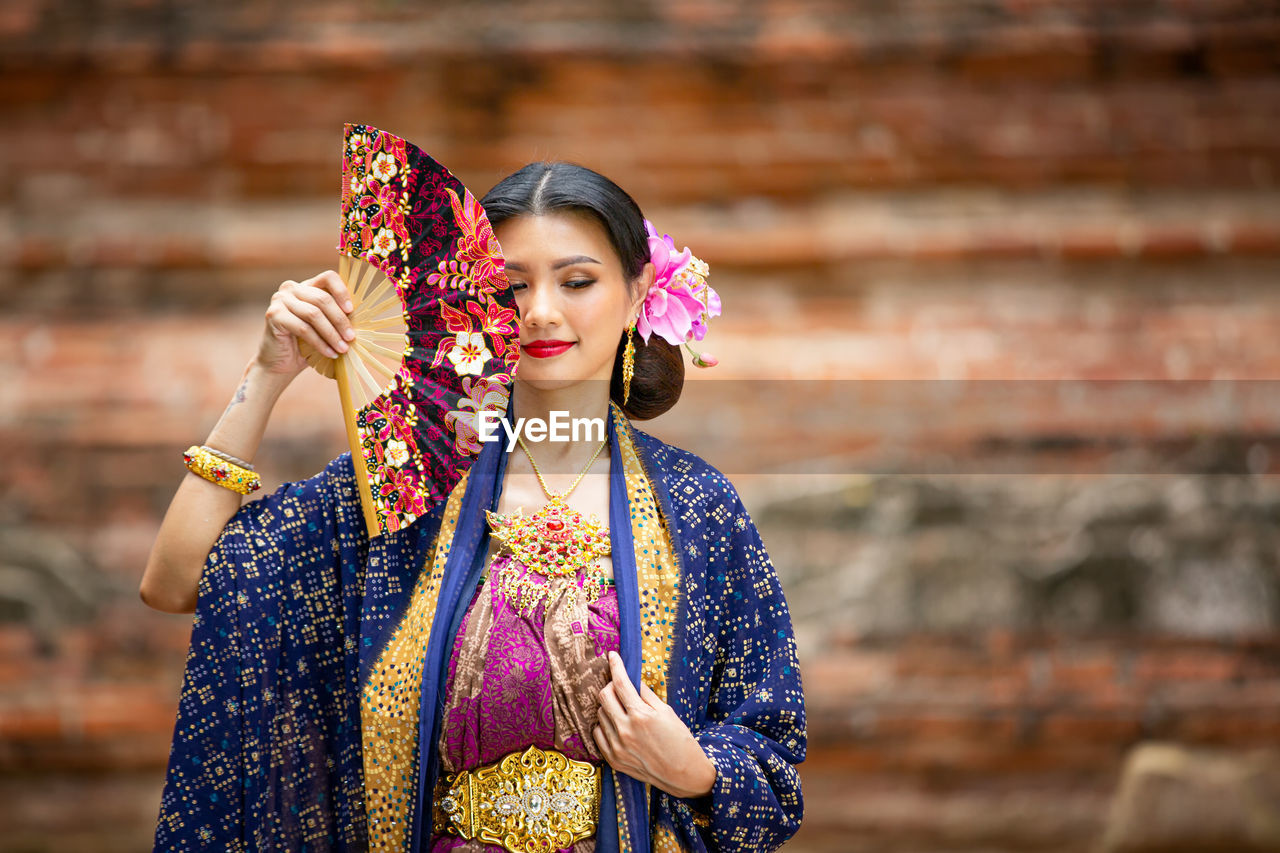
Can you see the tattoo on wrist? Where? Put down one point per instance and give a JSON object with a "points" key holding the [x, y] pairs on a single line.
{"points": [[239, 395]]}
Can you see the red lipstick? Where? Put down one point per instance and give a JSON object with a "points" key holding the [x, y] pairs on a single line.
{"points": [[545, 349]]}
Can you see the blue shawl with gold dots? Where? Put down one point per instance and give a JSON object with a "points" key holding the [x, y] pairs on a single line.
{"points": [[309, 710]]}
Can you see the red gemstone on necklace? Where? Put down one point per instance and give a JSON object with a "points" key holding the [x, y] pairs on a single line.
{"points": [[555, 524]]}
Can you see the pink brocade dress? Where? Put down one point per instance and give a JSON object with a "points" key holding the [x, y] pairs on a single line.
{"points": [[519, 679]]}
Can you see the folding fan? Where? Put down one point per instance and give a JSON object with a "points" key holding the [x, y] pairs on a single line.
{"points": [[436, 333]]}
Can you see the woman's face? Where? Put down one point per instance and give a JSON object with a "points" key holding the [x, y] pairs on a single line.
{"points": [[572, 297]]}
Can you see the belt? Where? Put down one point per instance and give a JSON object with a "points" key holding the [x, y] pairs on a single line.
{"points": [[525, 801]]}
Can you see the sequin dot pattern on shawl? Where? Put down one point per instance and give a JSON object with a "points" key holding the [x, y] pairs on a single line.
{"points": [[525, 677]]}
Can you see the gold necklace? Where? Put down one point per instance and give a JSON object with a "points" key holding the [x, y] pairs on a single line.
{"points": [[541, 482], [556, 541]]}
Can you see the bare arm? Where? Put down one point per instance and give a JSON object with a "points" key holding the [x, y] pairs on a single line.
{"points": [[201, 509], [315, 310]]}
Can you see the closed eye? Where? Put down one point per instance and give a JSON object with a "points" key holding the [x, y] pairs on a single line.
{"points": [[575, 284]]}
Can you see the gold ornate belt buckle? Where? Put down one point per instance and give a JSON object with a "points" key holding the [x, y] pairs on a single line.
{"points": [[526, 802]]}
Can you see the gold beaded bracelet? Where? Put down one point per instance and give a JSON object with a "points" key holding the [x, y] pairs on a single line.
{"points": [[201, 461]]}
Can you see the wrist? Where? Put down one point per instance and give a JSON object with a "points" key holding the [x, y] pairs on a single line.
{"points": [[701, 779], [707, 780], [239, 430], [260, 378]]}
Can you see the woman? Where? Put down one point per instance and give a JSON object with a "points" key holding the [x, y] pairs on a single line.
{"points": [[440, 688]]}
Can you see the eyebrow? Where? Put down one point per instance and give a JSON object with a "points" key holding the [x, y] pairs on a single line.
{"points": [[563, 262]]}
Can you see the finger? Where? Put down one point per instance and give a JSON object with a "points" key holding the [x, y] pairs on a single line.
{"points": [[651, 698], [622, 685], [285, 320], [303, 303], [610, 707], [611, 750], [328, 291], [612, 733], [336, 286], [602, 743]]}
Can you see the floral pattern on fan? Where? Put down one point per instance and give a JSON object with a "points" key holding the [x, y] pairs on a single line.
{"points": [[424, 232]]}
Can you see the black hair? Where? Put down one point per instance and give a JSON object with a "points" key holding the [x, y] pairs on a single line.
{"points": [[555, 185]]}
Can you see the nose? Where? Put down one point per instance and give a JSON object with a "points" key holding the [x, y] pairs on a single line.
{"points": [[538, 307]]}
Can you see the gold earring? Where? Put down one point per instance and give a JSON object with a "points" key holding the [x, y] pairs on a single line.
{"points": [[628, 364]]}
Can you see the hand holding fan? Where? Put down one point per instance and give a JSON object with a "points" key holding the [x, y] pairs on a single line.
{"points": [[435, 320]]}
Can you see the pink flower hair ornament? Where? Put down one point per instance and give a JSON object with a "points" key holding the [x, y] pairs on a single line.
{"points": [[679, 303]]}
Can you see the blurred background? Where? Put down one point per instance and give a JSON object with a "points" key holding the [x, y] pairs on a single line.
{"points": [[1002, 323]]}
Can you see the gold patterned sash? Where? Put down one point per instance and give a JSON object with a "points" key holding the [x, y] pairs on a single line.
{"points": [[390, 699]]}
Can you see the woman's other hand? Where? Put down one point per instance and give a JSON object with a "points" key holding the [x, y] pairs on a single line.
{"points": [[641, 735], [315, 310]]}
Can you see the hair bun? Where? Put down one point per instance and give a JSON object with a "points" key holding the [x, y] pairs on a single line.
{"points": [[656, 382]]}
